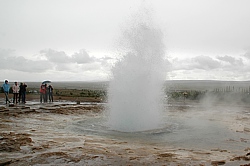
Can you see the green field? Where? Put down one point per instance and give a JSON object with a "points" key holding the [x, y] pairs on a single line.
{"points": [[174, 89]]}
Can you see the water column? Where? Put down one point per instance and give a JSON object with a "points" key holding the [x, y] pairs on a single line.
{"points": [[136, 90]]}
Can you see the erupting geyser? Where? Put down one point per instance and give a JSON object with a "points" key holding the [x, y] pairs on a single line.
{"points": [[136, 91]]}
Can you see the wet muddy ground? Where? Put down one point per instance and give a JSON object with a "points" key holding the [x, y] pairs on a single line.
{"points": [[48, 134]]}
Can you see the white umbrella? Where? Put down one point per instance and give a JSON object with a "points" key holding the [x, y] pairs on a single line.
{"points": [[46, 82]]}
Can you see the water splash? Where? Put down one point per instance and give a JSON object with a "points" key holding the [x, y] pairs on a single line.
{"points": [[136, 90]]}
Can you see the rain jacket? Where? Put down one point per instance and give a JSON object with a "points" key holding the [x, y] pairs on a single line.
{"points": [[43, 89], [6, 87], [15, 88]]}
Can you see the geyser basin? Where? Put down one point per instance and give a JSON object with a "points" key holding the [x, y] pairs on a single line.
{"points": [[184, 126], [73, 134]]}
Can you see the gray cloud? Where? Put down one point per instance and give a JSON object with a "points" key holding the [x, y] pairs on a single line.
{"points": [[230, 60], [10, 61], [206, 63], [200, 62], [55, 56], [63, 62], [247, 54], [50, 59], [218, 67], [82, 57]]}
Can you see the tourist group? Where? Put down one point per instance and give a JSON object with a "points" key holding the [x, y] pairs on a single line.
{"points": [[19, 92]]}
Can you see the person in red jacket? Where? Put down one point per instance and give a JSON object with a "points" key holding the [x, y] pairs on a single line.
{"points": [[42, 93]]}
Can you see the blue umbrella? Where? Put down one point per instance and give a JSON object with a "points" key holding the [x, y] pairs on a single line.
{"points": [[46, 82]]}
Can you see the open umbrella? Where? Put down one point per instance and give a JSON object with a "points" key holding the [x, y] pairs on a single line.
{"points": [[46, 82]]}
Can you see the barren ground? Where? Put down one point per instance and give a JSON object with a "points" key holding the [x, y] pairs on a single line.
{"points": [[36, 134]]}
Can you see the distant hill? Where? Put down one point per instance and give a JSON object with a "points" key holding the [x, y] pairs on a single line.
{"points": [[170, 84], [206, 84]]}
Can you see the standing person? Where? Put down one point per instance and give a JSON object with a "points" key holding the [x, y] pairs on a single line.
{"points": [[42, 93], [20, 92], [50, 91], [15, 89], [6, 89], [46, 93], [24, 93]]}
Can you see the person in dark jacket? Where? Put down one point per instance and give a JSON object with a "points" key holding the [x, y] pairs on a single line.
{"points": [[22, 92], [50, 91], [46, 93]]}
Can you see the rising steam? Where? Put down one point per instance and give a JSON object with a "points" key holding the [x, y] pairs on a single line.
{"points": [[136, 90]]}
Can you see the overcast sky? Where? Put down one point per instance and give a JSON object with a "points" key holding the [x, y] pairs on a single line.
{"points": [[75, 40]]}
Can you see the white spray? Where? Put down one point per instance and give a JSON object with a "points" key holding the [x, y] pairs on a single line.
{"points": [[136, 91]]}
